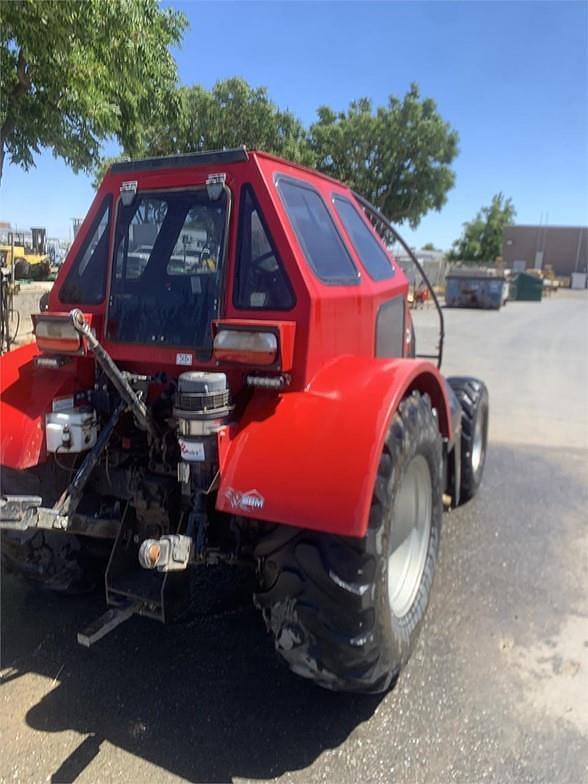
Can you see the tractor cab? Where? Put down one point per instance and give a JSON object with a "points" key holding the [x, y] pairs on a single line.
{"points": [[175, 251]]}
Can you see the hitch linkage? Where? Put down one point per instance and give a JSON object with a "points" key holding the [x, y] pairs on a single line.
{"points": [[22, 512], [118, 380]]}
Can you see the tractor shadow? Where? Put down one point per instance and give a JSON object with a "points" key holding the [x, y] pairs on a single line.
{"points": [[207, 699]]}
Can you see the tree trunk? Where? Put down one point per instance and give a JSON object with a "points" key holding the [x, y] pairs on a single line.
{"points": [[22, 86]]}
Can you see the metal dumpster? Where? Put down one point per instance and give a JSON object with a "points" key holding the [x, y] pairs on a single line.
{"points": [[475, 288], [527, 287]]}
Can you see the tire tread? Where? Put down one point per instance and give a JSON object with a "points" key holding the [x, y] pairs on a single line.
{"points": [[329, 631]]}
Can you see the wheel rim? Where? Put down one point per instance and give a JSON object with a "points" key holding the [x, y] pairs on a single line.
{"points": [[478, 445], [409, 537]]}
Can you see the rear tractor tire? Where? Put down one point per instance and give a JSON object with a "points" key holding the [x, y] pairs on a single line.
{"points": [[54, 561], [346, 612], [473, 398]]}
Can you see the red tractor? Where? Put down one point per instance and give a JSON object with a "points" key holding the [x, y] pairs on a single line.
{"points": [[226, 373]]}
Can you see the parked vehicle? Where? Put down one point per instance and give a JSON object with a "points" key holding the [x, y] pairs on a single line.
{"points": [[28, 255], [262, 405]]}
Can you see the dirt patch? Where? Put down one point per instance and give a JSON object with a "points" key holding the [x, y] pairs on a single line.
{"points": [[555, 672]]}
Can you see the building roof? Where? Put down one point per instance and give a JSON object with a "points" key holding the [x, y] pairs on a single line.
{"points": [[544, 226]]}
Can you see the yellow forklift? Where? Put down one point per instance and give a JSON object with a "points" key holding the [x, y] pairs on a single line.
{"points": [[26, 254]]}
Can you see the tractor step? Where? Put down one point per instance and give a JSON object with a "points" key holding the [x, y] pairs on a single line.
{"points": [[107, 623]]}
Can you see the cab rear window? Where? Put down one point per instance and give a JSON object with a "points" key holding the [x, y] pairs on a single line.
{"points": [[317, 233], [168, 268]]}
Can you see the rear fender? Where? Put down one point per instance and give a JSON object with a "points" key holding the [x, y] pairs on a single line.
{"points": [[310, 458], [26, 395]]}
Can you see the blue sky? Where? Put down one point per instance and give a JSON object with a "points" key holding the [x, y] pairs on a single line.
{"points": [[512, 78]]}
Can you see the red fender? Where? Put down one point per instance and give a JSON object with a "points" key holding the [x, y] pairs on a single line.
{"points": [[310, 458], [26, 394]]}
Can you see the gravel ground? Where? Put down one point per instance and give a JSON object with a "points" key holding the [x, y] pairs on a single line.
{"points": [[497, 690]]}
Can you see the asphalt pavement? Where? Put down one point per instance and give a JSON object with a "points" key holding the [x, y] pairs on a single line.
{"points": [[497, 690]]}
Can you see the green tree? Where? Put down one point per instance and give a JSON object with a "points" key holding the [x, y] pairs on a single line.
{"points": [[429, 246], [232, 113], [481, 239], [73, 74], [398, 156]]}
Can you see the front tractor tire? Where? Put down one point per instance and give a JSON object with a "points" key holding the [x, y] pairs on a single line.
{"points": [[347, 612], [473, 399]]}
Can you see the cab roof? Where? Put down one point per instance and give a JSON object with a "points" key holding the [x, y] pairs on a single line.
{"points": [[234, 155]]}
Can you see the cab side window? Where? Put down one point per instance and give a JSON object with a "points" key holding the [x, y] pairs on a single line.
{"points": [[317, 233], [260, 280], [390, 329], [369, 250], [86, 280]]}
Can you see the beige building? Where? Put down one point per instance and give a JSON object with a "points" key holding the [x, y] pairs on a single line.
{"points": [[565, 248]]}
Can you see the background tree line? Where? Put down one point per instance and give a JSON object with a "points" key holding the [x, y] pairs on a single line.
{"points": [[481, 239], [75, 74], [398, 156]]}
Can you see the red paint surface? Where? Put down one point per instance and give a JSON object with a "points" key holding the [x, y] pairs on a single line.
{"points": [[313, 455], [311, 452], [26, 395]]}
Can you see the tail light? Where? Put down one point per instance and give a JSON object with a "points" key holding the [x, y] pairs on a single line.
{"points": [[246, 347], [55, 334], [265, 344]]}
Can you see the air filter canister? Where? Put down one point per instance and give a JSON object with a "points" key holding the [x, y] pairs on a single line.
{"points": [[202, 407]]}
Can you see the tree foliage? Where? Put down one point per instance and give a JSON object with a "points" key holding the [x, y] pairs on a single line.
{"points": [[398, 156], [229, 115], [74, 73], [481, 240]]}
